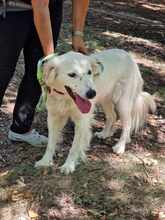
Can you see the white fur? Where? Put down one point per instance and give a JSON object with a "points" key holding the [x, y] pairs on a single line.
{"points": [[119, 90]]}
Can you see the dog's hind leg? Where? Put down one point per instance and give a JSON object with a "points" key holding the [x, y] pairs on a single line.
{"points": [[80, 145], [55, 126], [124, 109], [111, 117]]}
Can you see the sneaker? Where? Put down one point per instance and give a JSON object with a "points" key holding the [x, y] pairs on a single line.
{"points": [[32, 137]]}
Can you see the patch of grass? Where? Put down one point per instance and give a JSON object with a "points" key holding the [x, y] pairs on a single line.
{"points": [[146, 72], [161, 91], [23, 170], [88, 188]]}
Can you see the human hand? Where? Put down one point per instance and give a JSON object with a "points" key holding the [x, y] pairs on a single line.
{"points": [[78, 44]]}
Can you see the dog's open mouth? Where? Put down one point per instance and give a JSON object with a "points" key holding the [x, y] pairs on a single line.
{"points": [[83, 104]]}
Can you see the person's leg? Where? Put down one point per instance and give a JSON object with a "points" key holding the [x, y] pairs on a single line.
{"points": [[12, 37], [29, 91]]}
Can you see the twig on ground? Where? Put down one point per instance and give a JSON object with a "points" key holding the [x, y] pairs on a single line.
{"points": [[144, 166]]}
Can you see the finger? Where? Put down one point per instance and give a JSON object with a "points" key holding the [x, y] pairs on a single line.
{"points": [[83, 50], [80, 49]]}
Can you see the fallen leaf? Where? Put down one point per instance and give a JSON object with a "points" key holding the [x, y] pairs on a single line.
{"points": [[161, 215], [32, 214]]}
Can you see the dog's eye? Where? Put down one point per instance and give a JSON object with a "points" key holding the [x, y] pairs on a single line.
{"points": [[89, 72], [73, 75]]}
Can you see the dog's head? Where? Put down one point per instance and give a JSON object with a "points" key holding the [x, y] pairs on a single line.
{"points": [[72, 74]]}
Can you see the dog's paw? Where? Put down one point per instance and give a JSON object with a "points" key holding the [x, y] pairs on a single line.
{"points": [[119, 148], [68, 168], [44, 163]]}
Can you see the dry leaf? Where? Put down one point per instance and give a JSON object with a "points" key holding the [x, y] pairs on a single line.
{"points": [[162, 215], [32, 214]]}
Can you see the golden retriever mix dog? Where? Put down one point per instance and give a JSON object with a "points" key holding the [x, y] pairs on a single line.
{"points": [[75, 82]]}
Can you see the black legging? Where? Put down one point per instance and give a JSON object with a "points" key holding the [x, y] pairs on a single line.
{"points": [[18, 32]]}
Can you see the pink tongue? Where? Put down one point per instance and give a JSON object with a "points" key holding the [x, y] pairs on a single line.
{"points": [[83, 104]]}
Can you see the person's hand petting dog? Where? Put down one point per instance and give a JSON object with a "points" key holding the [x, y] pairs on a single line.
{"points": [[78, 44]]}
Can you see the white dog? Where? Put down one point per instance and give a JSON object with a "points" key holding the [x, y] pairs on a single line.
{"points": [[76, 82]]}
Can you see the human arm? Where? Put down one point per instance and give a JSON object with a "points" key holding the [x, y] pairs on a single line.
{"points": [[79, 13], [43, 25]]}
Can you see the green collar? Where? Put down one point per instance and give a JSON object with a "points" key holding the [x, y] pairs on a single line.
{"points": [[40, 76], [40, 73]]}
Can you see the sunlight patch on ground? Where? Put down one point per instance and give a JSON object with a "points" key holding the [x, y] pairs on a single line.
{"points": [[115, 184], [2, 174], [154, 7], [66, 208], [147, 62], [132, 39], [11, 211]]}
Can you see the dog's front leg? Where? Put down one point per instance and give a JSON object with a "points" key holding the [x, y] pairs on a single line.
{"points": [[55, 126], [80, 145]]}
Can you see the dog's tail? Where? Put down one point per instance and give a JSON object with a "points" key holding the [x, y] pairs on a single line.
{"points": [[144, 104]]}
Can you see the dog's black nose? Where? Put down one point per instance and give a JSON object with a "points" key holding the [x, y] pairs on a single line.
{"points": [[91, 94]]}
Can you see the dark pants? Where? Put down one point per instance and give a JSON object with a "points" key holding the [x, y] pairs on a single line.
{"points": [[17, 32]]}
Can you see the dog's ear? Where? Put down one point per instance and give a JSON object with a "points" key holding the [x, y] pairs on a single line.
{"points": [[97, 66], [50, 72], [94, 66]]}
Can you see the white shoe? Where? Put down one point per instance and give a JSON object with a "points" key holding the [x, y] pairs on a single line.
{"points": [[32, 137]]}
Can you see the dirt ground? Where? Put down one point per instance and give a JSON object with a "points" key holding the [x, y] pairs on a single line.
{"points": [[107, 187]]}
